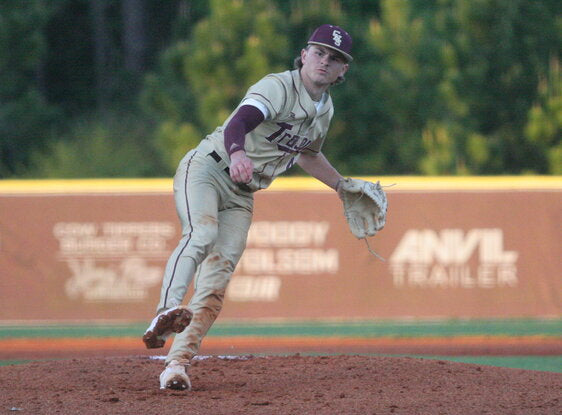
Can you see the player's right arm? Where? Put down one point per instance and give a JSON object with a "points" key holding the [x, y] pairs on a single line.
{"points": [[246, 119], [263, 101], [241, 167]]}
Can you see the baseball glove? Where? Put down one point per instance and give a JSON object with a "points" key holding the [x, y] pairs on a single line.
{"points": [[364, 205]]}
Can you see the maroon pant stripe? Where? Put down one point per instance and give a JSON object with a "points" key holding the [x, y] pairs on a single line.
{"points": [[188, 234]]}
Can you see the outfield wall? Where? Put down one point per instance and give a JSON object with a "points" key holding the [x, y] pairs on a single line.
{"points": [[454, 248]]}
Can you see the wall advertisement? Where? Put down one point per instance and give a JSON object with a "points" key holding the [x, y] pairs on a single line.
{"points": [[448, 254]]}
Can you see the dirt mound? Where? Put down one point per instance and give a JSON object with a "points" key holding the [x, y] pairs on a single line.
{"points": [[278, 385]]}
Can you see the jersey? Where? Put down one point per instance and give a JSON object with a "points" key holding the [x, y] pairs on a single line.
{"points": [[294, 126]]}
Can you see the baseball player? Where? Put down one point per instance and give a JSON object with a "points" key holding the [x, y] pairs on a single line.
{"points": [[283, 119]]}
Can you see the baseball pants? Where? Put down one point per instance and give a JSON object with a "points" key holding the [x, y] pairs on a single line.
{"points": [[215, 216]]}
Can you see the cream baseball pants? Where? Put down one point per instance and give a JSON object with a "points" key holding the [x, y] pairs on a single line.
{"points": [[215, 216]]}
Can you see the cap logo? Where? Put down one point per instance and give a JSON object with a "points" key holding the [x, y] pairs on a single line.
{"points": [[336, 35]]}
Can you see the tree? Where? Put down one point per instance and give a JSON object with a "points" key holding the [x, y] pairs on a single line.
{"points": [[104, 52], [201, 80], [492, 54], [400, 87], [106, 145], [134, 35], [437, 86], [458, 77], [544, 123], [25, 116]]}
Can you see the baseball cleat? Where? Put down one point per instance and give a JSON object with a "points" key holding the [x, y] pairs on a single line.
{"points": [[174, 320], [175, 377]]}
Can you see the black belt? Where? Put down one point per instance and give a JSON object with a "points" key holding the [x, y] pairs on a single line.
{"points": [[218, 159]]}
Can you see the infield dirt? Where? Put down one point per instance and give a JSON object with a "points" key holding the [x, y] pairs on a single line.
{"points": [[295, 384]]}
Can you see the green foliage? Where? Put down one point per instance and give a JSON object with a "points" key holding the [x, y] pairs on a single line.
{"points": [[352, 137], [544, 124], [110, 146], [460, 75], [167, 99], [402, 79], [439, 146], [437, 86], [173, 139], [199, 82], [166, 94], [25, 116], [229, 51], [555, 159], [306, 15]]}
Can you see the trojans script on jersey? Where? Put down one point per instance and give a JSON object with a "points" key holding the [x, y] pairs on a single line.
{"points": [[294, 126]]}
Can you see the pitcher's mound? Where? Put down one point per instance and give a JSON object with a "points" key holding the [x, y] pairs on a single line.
{"points": [[278, 385]]}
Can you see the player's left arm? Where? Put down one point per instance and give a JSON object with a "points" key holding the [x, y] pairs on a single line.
{"points": [[318, 166]]}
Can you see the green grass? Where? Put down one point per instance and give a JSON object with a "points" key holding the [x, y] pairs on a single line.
{"points": [[441, 328], [543, 363], [13, 362], [444, 328]]}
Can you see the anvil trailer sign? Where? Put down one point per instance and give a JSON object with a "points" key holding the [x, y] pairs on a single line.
{"points": [[97, 250]]}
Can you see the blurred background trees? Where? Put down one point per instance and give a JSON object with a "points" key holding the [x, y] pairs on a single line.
{"points": [[123, 88]]}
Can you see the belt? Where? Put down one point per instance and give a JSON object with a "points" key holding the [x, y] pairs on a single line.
{"points": [[218, 159]]}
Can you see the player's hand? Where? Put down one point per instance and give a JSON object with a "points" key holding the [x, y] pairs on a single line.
{"points": [[241, 167]]}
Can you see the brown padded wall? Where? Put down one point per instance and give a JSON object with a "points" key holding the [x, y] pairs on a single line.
{"points": [[449, 254]]}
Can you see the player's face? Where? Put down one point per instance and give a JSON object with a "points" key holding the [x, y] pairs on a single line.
{"points": [[322, 65]]}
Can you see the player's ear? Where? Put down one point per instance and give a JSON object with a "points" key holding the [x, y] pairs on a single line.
{"points": [[303, 54], [344, 69]]}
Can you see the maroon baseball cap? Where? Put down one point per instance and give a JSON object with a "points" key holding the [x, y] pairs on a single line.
{"points": [[333, 37]]}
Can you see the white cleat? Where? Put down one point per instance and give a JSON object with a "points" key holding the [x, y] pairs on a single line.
{"points": [[174, 320], [175, 377]]}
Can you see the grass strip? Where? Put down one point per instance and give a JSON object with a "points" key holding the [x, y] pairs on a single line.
{"points": [[445, 328], [542, 363]]}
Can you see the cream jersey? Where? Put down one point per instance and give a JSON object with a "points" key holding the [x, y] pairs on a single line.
{"points": [[294, 126]]}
